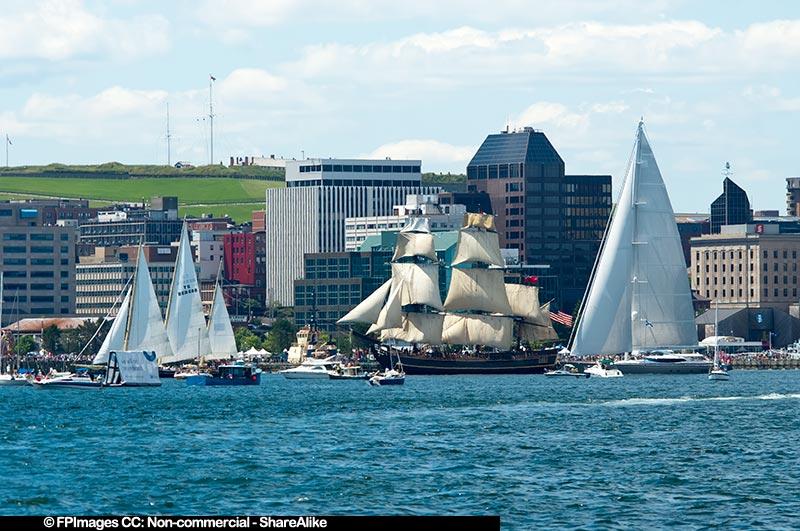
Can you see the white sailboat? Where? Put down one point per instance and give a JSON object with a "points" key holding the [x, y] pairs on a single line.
{"points": [[138, 325], [639, 298], [220, 332], [185, 323], [717, 373]]}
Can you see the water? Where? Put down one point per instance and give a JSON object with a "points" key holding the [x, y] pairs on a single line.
{"points": [[637, 452]]}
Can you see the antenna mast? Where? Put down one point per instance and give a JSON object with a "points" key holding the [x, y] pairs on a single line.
{"points": [[211, 80], [169, 137]]}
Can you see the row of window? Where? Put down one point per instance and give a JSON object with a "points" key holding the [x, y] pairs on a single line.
{"points": [[496, 171], [733, 293], [738, 254], [360, 168], [33, 261], [352, 182], [34, 237]]}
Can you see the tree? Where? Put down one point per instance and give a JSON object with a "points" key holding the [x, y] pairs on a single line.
{"points": [[251, 306], [245, 339], [50, 338], [25, 344], [281, 336]]}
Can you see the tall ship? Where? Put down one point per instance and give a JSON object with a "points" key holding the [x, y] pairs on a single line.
{"points": [[483, 326], [638, 305]]}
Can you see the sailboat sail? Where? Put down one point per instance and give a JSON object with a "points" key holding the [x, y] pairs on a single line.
{"points": [[487, 330], [220, 331], [639, 296], [145, 325], [368, 310], [418, 283], [477, 289], [115, 337], [186, 325]]}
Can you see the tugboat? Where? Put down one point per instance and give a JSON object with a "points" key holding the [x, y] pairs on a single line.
{"points": [[236, 374], [484, 325]]}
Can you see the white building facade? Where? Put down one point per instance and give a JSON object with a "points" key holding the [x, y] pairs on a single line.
{"points": [[440, 217], [308, 216]]}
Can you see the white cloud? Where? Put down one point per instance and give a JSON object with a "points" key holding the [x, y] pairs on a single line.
{"points": [[771, 98], [251, 83], [434, 154], [557, 115], [56, 30]]}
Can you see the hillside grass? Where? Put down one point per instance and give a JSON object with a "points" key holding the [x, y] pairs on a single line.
{"points": [[236, 197], [118, 170], [189, 190]]}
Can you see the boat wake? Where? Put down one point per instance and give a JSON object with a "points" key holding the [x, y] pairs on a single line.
{"points": [[683, 399]]}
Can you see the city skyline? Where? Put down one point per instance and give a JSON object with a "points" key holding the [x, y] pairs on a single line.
{"points": [[88, 82]]}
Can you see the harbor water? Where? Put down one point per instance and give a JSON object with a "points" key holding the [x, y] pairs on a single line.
{"points": [[636, 452]]}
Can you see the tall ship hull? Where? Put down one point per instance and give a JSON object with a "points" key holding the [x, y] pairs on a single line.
{"points": [[535, 362]]}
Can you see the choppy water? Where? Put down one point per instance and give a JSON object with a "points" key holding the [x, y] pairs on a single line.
{"points": [[637, 452]]}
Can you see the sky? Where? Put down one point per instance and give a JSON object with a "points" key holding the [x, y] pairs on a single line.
{"points": [[89, 82]]}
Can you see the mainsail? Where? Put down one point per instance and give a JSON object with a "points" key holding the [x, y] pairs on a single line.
{"points": [[220, 331], [186, 324], [639, 297], [145, 330]]}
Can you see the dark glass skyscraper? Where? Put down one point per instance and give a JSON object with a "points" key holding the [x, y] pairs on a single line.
{"points": [[552, 219], [731, 208]]}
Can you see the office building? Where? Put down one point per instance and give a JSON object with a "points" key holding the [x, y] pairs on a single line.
{"points": [[132, 225], [334, 283], [751, 265], [730, 208], [441, 217], [209, 249], [101, 277], [38, 262], [308, 216], [691, 225], [793, 196], [551, 218]]}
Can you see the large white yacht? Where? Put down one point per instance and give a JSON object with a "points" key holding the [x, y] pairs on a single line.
{"points": [[665, 362], [312, 369]]}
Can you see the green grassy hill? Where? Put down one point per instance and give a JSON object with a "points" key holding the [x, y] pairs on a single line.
{"points": [[235, 193]]}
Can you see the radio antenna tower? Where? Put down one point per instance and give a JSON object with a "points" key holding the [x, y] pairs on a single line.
{"points": [[211, 80], [169, 138]]}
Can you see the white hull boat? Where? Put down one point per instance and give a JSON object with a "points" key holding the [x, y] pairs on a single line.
{"points": [[12, 379], [666, 363], [567, 370], [719, 374], [70, 381], [390, 377], [311, 369], [601, 370]]}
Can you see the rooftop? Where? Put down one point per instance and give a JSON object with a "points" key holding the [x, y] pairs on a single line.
{"points": [[527, 145]]}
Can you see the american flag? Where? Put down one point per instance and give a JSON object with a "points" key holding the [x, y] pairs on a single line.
{"points": [[561, 318]]}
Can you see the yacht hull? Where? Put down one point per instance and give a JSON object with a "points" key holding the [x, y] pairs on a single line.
{"points": [[655, 367], [501, 363]]}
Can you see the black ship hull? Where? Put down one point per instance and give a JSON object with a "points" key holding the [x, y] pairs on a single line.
{"points": [[535, 362]]}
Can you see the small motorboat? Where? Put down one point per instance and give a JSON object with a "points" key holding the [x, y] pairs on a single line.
{"points": [[351, 372], [604, 369], [80, 380], [719, 374], [311, 369], [567, 370], [388, 377], [191, 370], [236, 374]]}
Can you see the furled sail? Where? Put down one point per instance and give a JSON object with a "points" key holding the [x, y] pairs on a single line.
{"points": [[479, 221], [486, 330], [417, 328], [186, 324], [477, 289], [478, 246], [414, 244], [639, 294], [418, 283], [220, 331], [145, 326], [368, 310], [115, 337]]}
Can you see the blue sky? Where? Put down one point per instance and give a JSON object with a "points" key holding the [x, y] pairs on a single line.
{"points": [[86, 82]]}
